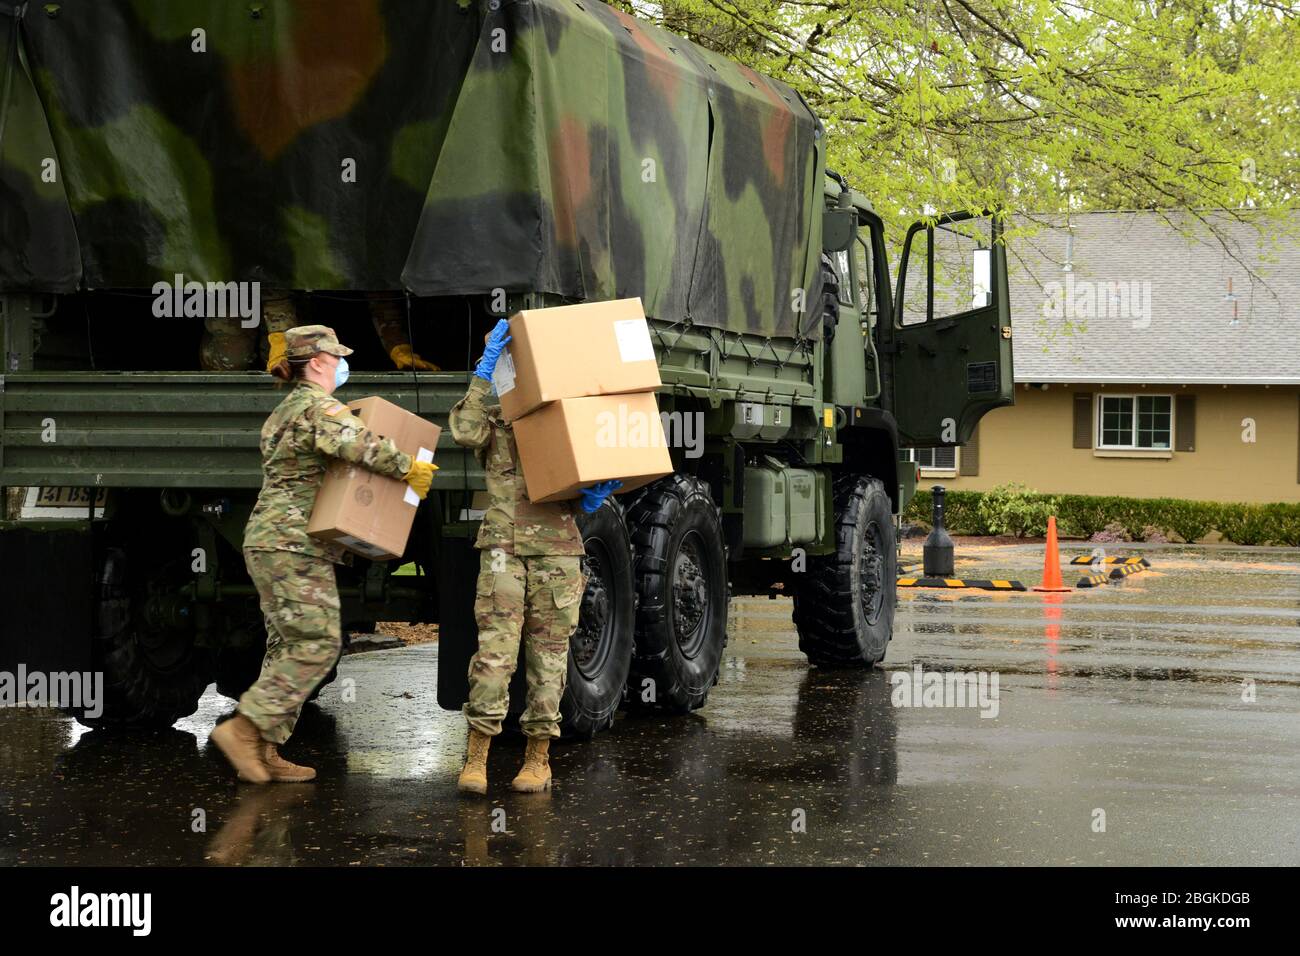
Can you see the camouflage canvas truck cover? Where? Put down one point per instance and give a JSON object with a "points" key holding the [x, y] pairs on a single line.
{"points": [[161, 158], [544, 147]]}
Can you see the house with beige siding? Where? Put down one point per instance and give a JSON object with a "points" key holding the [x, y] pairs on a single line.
{"points": [[1151, 360]]}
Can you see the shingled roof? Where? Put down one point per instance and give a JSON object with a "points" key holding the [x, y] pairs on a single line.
{"points": [[1142, 301]]}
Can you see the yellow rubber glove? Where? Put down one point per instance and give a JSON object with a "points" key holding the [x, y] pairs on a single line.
{"points": [[404, 356], [276, 341], [420, 477]]}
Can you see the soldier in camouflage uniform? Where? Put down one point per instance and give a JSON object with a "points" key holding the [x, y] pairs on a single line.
{"points": [[294, 573], [530, 582], [227, 346]]}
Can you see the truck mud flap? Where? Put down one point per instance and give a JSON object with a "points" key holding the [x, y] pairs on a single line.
{"points": [[47, 612], [457, 632]]}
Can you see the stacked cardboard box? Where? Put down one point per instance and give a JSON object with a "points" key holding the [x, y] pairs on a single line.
{"points": [[577, 382]]}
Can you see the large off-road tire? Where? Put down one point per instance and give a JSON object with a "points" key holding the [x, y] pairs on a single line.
{"points": [[844, 602], [153, 676], [682, 590], [600, 651]]}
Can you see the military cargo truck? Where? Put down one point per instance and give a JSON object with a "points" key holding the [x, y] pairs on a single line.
{"points": [[160, 161]]}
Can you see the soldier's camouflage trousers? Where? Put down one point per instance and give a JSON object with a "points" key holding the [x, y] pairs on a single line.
{"points": [[226, 346], [300, 604], [538, 597]]}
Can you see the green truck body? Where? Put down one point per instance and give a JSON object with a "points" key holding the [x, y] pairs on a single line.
{"points": [[793, 363]]}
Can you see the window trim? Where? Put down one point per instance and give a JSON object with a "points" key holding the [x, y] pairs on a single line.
{"points": [[1099, 412], [953, 472], [866, 281], [943, 222]]}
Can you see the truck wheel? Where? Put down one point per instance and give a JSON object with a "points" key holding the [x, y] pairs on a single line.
{"points": [[844, 602], [600, 651], [681, 578], [152, 676]]}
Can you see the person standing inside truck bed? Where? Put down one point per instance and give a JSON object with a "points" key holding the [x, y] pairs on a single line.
{"points": [[530, 583], [294, 573]]}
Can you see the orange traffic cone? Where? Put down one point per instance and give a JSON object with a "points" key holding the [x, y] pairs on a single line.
{"points": [[1052, 562]]}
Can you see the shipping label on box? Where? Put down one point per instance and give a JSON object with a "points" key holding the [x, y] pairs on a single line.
{"points": [[503, 374], [633, 338], [368, 513]]}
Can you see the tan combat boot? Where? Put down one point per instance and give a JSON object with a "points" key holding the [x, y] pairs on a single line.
{"points": [[242, 743], [473, 778], [282, 771], [536, 773]]}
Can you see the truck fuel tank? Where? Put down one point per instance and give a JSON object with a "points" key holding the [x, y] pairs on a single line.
{"points": [[783, 504]]}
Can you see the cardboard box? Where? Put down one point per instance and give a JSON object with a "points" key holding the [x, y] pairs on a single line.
{"points": [[575, 442], [367, 513], [572, 351]]}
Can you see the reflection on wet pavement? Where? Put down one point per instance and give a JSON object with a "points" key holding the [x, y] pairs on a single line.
{"points": [[1128, 699]]}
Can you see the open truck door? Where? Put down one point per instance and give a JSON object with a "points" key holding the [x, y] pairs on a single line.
{"points": [[952, 329]]}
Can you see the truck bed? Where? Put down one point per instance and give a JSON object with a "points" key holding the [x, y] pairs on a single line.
{"points": [[200, 429]]}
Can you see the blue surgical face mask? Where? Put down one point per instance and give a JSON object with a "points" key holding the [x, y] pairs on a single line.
{"points": [[341, 372]]}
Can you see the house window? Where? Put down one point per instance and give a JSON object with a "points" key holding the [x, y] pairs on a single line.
{"points": [[1135, 421], [934, 459]]}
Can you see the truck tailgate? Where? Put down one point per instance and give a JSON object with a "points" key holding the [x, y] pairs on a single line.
{"points": [[181, 429]]}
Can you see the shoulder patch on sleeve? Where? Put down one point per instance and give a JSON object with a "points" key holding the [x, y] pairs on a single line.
{"points": [[335, 409]]}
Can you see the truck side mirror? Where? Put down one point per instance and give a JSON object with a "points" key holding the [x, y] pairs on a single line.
{"points": [[839, 226]]}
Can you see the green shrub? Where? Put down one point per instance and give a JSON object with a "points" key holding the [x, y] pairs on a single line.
{"points": [[1080, 516], [1245, 524], [961, 511], [1284, 522], [1015, 509], [1190, 520]]}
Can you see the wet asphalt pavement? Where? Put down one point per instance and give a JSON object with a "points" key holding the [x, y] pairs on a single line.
{"points": [[1126, 700]]}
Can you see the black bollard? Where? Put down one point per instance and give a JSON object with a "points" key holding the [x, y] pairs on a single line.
{"points": [[938, 546]]}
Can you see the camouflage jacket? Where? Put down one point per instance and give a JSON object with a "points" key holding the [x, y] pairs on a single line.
{"points": [[304, 432], [512, 522]]}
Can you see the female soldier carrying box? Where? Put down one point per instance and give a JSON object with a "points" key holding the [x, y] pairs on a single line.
{"points": [[530, 582], [293, 573]]}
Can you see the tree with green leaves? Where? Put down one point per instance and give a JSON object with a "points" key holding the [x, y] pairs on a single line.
{"points": [[1035, 106]]}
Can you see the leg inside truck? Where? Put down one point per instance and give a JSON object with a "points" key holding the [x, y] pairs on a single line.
{"points": [[119, 331]]}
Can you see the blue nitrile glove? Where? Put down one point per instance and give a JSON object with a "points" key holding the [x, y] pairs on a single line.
{"points": [[496, 343], [594, 497]]}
